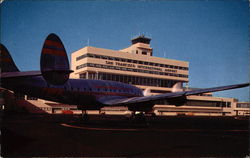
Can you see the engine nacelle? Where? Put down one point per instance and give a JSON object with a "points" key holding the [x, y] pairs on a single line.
{"points": [[54, 61], [141, 107], [178, 101]]}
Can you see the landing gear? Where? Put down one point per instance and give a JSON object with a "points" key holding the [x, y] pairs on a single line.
{"points": [[143, 118], [102, 114], [152, 115], [85, 116], [138, 117]]}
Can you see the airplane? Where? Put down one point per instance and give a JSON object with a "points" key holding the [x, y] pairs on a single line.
{"points": [[52, 83]]}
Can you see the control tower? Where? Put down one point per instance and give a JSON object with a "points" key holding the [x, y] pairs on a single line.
{"points": [[140, 45], [141, 39]]}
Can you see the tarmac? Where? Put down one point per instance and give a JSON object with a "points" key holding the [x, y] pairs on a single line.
{"points": [[42, 135]]}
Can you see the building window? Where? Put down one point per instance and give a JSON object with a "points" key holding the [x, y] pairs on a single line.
{"points": [[243, 105], [31, 98], [228, 104], [137, 80], [144, 53], [82, 76]]}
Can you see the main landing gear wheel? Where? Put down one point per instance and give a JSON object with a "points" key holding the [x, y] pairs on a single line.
{"points": [[139, 118], [85, 116], [152, 116]]}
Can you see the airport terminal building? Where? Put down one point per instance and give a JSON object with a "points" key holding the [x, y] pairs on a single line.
{"points": [[136, 65]]}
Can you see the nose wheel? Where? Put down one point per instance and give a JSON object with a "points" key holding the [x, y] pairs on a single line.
{"points": [[85, 116]]}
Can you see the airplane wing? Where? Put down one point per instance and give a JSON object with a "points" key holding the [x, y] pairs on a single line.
{"points": [[20, 74], [169, 96]]}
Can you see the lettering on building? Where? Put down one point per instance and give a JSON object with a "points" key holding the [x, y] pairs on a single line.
{"points": [[139, 66]]}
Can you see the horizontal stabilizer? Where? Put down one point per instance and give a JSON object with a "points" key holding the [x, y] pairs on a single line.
{"points": [[20, 74]]}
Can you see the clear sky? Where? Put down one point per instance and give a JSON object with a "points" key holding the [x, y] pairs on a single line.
{"points": [[212, 35]]}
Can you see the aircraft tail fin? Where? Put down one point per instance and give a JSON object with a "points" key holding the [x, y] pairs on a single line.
{"points": [[54, 61], [6, 62]]}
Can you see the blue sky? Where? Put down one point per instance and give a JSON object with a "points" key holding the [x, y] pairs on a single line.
{"points": [[211, 35]]}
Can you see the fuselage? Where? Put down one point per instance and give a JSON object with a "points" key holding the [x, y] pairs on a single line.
{"points": [[86, 93]]}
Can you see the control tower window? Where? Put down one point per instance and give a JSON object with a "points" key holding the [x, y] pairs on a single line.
{"points": [[144, 53]]}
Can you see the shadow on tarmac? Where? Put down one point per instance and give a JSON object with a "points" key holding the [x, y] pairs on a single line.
{"points": [[26, 135]]}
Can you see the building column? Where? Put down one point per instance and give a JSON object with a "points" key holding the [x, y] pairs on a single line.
{"points": [[97, 77], [87, 75]]}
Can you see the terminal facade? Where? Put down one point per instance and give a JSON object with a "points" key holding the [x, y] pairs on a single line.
{"points": [[136, 65]]}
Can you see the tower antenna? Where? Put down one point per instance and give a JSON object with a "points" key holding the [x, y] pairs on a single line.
{"points": [[88, 42]]}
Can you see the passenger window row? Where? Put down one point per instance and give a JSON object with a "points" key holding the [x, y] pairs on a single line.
{"points": [[84, 89]]}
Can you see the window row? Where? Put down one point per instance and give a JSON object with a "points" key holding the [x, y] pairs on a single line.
{"points": [[130, 61], [208, 103], [130, 69], [135, 80], [93, 89], [243, 105]]}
